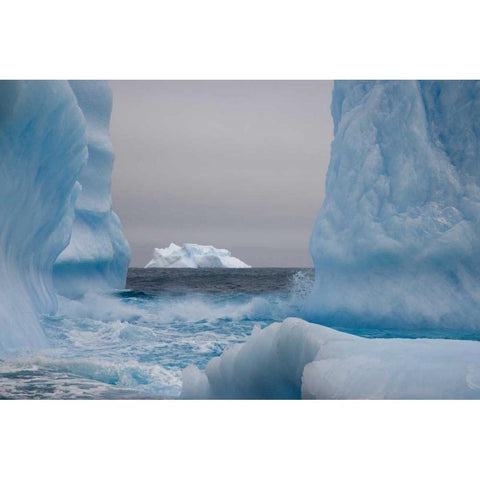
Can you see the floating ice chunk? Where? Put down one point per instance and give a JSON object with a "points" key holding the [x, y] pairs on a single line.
{"points": [[297, 359], [191, 255]]}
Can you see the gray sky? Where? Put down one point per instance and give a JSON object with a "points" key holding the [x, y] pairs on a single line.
{"points": [[235, 164]]}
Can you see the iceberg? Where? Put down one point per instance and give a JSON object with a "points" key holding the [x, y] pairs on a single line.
{"points": [[396, 246], [56, 160], [43, 147], [98, 254], [191, 255], [397, 240], [297, 359]]}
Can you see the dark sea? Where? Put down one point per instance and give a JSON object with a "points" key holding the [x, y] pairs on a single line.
{"points": [[136, 342]]}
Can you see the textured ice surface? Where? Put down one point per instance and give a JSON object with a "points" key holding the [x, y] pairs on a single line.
{"points": [[42, 149], [98, 254], [55, 165], [190, 255], [397, 239], [396, 248], [297, 359]]}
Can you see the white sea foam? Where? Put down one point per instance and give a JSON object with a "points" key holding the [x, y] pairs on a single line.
{"points": [[107, 346]]}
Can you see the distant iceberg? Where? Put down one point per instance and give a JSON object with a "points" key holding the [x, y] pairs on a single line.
{"points": [[191, 255]]}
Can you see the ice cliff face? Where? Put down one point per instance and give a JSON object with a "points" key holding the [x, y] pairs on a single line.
{"points": [[42, 149], [98, 254], [397, 239], [55, 164], [191, 255], [396, 245]]}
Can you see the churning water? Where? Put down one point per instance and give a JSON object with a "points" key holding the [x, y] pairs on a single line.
{"points": [[135, 343]]}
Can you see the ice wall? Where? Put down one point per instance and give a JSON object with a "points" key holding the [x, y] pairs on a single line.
{"points": [[297, 359], [396, 245], [98, 254], [42, 149], [55, 166], [397, 239]]}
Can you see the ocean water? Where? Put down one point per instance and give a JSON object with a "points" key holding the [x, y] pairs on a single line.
{"points": [[136, 342]]}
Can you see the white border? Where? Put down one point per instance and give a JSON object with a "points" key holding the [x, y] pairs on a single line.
{"points": [[244, 440], [222, 39], [225, 39]]}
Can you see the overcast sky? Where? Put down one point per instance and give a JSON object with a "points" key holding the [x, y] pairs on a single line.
{"points": [[235, 164]]}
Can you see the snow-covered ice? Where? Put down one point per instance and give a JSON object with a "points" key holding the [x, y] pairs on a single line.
{"points": [[191, 255], [297, 359]]}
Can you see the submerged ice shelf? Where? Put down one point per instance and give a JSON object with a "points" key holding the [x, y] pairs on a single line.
{"points": [[191, 255]]}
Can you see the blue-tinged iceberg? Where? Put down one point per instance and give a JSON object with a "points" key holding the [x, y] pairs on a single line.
{"points": [[43, 146], [191, 255], [296, 359], [396, 246], [98, 254], [55, 166], [397, 239]]}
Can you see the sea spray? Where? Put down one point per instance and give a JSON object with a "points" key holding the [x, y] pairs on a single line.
{"points": [[135, 343]]}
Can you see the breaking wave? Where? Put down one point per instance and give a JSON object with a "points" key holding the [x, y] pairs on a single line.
{"points": [[135, 345]]}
